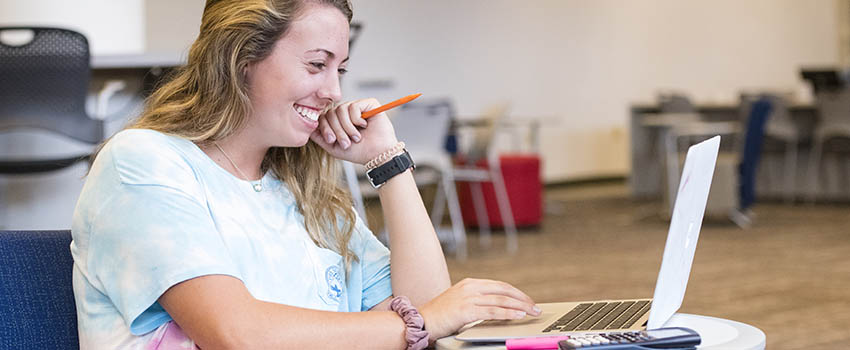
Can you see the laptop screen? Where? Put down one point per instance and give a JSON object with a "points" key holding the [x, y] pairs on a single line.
{"points": [[685, 225]]}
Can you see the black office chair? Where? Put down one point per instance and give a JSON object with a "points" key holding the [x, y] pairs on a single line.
{"points": [[36, 293], [43, 85]]}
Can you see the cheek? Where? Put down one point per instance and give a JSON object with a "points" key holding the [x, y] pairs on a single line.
{"points": [[261, 90], [305, 87]]}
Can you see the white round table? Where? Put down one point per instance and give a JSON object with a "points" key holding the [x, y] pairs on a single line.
{"points": [[716, 334]]}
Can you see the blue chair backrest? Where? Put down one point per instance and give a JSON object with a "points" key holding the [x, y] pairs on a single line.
{"points": [[37, 309]]}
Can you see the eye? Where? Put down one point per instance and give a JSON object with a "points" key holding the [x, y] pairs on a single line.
{"points": [[318, 65], [342, 71]]}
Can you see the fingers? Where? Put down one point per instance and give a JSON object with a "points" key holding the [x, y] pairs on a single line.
{"points": [[317, 137], [334, 123], [484, 286], [497, 313], [355, 113], [340, 124], [517, 307], [345, 134], [476, 299], [347, 122], [325, 130]]}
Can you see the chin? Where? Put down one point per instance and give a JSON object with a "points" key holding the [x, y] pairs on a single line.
{"points": [[303, 143], [299, 142], [292, 140]]}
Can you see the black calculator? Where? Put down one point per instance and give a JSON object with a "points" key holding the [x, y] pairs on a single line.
{"points": [[662, 338]]}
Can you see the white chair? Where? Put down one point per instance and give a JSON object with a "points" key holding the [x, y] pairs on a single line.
{"points": [[723, 198], [480, 148], [834, 122], [424, 127]]}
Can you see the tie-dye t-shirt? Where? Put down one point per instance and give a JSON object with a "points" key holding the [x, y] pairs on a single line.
{"points": [[156, 210]]}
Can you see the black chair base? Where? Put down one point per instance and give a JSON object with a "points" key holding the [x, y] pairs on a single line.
{"points": [[17, 167]]}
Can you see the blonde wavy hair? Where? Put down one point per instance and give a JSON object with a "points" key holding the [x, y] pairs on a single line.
{"points": [[206, 100]]}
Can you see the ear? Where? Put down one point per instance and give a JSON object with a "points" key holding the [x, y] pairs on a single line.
{"points": [[246, 72]]}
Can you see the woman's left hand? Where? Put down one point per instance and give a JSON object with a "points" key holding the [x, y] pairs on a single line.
{"points": [[347, 136]]}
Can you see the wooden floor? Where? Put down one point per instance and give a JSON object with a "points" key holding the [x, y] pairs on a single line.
{"points": [[788, 275]]}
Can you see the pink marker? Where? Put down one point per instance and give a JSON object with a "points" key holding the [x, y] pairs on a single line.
{"points": [[536, 343]]}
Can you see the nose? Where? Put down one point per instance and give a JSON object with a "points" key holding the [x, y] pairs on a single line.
{"points": [[330, 88]]}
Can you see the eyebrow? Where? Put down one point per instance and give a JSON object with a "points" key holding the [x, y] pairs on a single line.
{"points": [[329, 53]]}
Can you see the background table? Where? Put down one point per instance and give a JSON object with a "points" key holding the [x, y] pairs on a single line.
{"points": [[646, 176], [716, 334]]}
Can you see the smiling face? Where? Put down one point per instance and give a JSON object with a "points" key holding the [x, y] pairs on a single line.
{"points": [[299, 79]]}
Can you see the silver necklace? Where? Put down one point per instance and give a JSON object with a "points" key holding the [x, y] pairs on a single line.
{"points": [[258, 185]]}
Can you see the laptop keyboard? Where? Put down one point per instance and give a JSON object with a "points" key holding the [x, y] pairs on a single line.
{"points": [[602, 315]]}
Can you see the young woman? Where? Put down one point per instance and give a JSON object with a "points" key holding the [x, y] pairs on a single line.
{"points": [[215, 220]]}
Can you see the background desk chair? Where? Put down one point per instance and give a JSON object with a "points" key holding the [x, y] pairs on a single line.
{"points": [[44, 85], [833, 125], [723, 199], [36, 294], [423, 126], [472, 170], [778, 131], [44, 81], [675, 102], [680, 125]]}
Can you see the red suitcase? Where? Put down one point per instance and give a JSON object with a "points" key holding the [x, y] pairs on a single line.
{"points": [[522, 181]]}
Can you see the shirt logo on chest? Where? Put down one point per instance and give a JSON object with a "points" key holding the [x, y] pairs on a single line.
{"points": [[334, 280]]}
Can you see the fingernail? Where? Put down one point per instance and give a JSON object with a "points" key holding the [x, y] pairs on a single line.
{"points": [[344, 144], [329, 137], [355, 137], [520, 314], [537, 309]]}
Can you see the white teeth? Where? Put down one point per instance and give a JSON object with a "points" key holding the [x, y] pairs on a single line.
{"points": [[307, 113]]}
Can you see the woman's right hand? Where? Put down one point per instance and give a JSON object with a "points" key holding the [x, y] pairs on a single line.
{"points": [[471, 300], [347, 136]]}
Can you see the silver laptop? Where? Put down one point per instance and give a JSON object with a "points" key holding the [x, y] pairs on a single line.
{"points": [[638, 314]]}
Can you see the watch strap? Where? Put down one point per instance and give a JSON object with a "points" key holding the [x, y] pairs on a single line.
{"points": [[397, 165]]}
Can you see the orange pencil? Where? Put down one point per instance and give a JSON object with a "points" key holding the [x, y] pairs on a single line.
{"points": [[390, 105]]}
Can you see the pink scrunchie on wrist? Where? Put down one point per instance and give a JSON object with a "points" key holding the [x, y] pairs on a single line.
{"points": [[415, 334]]}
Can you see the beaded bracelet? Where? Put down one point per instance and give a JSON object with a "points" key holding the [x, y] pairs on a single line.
{"points": [[384, 157], [415, 334]]}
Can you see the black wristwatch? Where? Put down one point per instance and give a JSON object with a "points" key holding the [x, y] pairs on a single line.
{"points": [[397, 165]]}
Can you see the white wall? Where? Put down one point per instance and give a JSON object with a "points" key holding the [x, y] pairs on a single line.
{"points": [[580, 63], [584, 62], [171, 26], [577, 63], [112, 27]]}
